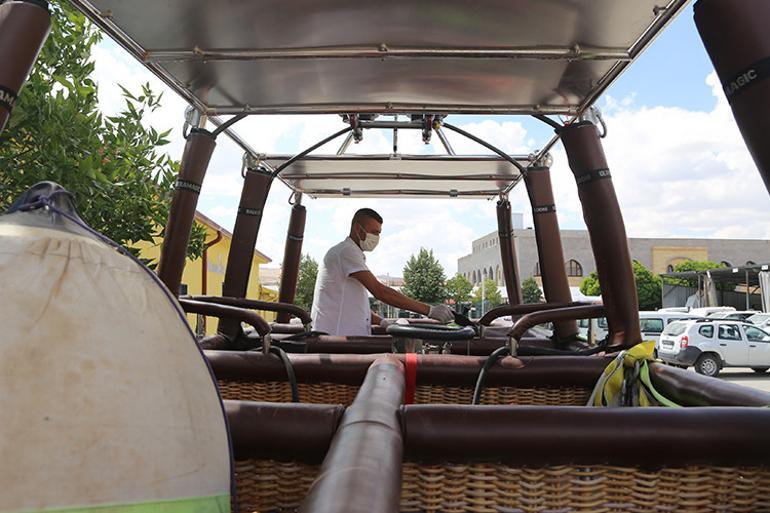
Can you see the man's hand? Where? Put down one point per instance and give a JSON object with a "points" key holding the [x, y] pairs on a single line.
{"points": [[442, 313]]}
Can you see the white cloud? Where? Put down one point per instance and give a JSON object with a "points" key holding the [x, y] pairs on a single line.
{"points": [[677, 173]]}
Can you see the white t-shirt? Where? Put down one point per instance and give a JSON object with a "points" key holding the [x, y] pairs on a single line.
{"points": [[340, 303]]}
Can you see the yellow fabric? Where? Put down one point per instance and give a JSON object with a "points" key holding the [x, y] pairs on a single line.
{"points": [[631, 367]]}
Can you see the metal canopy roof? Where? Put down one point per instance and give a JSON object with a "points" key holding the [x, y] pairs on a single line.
{"points": [[362, 176], [446, 56]]}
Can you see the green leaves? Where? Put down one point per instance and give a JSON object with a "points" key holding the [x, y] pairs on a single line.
{"points": [[459, 288], [122, 185], [424, 278], [648, 287], [492, 295], [530, 291], [308, 270]]}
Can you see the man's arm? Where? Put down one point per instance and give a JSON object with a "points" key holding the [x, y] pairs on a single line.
{"points": [[388, 295]]}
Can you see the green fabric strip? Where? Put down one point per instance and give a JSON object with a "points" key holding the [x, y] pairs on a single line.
{"points": [[213, 504], [647, 382]]}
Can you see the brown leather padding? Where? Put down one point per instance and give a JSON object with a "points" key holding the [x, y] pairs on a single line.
{"points": [[691, 389], [508, 252], [282, 431], [604, 221], [256, 186], [536, 436], [292, 254], [24, 27], [267, 306], [173, 253], [736, 37], [550, 252], [226, 312], [362, 470], [449, 370]]}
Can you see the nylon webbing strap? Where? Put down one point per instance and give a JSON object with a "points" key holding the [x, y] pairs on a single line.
{"points": [[544, 209], [505, 235], [7, 98], [250, 211], [295, 238], [592, 176], [747, 78], [188, 186]]}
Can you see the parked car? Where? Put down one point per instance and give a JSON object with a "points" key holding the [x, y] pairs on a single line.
{"points": [[599, 326], [710, 345], [705, 311], [740, 315], [760, 319], [652, 323]]}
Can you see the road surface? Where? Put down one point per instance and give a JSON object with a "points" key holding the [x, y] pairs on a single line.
{"points": [[747, 378]]}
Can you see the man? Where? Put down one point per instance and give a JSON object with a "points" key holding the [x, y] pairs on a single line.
{"points": [[340, 302]]}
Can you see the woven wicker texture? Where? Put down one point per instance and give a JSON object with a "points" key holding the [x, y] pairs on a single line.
{"points": [[494, 488], [267, 486], [333, 393]]}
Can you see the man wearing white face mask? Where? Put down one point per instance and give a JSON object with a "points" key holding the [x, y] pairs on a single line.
{"points": [[340, 302]]}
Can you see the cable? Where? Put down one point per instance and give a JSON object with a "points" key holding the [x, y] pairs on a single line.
{"points": [[498, 353], [289, 372]]}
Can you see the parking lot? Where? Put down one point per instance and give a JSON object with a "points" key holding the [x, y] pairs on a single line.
{"points": [[747, 378]]}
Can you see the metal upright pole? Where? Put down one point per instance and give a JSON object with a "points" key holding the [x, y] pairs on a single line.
{"points": [[549, 247], [256, 186], [736, 38], [292, 255], [24, 26], [508, 252], [604, 221], [195, 160]]}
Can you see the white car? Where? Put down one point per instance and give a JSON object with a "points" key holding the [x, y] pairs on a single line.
{"points": [[652, 323], [741, 315], [709, 345], [760, 319]]}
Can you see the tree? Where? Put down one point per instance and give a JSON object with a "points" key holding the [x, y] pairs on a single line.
{"points": [[492, 295], [308, 271], [697, 265], [459, 288], [590, 285], [648, 286], [530, 291], [121, 185], [424, 278]]}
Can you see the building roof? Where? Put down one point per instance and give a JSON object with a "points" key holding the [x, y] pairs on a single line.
{"points": [[226, 233]]}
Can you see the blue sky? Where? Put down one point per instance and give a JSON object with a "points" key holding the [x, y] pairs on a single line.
{"points": [[679, 165]]}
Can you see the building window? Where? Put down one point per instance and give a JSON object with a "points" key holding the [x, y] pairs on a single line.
{"points": [[537, 269], [726, 263], [670, 268], [574, 268], [750, 262]]}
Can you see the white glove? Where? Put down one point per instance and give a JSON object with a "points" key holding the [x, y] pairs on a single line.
{"points": [[442, 313]]}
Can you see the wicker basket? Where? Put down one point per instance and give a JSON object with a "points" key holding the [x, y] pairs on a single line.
{"points": [[267, 485], [333, 393], [495, 488]]}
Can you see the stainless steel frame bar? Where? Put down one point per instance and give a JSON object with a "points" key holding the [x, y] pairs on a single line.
{"points": [[383, 51]]}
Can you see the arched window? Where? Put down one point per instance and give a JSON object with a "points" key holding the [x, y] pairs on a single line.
{"points": [[473, 277], [491, 273], [574, 268], [750, 262], [726, 263], [670, 268], [537, 269]]}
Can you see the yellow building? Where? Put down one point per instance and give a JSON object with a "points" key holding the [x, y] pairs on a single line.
{"points": [[195, 282]]}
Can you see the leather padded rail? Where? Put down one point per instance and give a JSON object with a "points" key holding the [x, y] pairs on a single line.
{"points": [[448, 370], [282, 431], [536, 436], [362, 471], [692, 389]]}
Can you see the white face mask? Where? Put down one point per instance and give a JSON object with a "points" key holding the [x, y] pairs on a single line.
{"points": [[370, 241]]}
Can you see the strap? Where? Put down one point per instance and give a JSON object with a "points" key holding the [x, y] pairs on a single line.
{"points": [[411, 378]]}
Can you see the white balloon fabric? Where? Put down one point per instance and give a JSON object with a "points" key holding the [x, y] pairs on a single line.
{"points": [[107, 404]]}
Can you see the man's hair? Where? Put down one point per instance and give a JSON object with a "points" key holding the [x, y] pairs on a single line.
{"points": [[366, 213]]}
